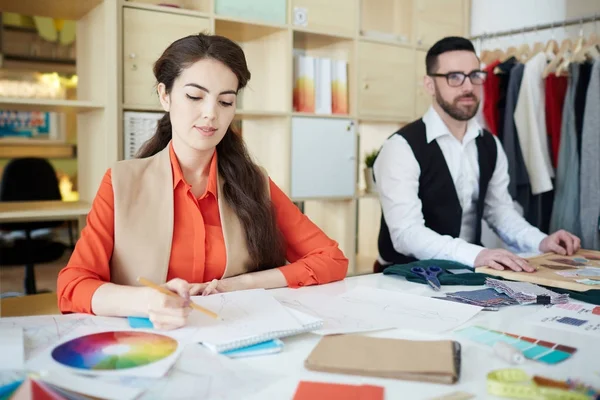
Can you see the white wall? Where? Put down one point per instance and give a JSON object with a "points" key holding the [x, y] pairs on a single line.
{"points": [[489, 16]]}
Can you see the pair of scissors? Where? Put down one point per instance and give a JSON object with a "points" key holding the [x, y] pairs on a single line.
{"points": [[430, 274]]}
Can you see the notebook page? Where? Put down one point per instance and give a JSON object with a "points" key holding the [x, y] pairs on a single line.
{"points": [[244, 315]]}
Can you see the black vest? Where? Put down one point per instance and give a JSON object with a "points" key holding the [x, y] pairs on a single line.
{"points": [[441, 208]]}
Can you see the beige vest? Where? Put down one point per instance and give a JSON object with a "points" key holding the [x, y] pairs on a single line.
{"points": [[143, 210]]}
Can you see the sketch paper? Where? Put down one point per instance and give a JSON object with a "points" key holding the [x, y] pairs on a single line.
{"points": [[12, 348], [42, 332], [366, 309], [246, 316], [577, 318], [208, 375], [338, 317], [408, 311]]}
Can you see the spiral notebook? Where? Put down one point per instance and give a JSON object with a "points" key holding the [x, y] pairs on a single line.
{"points": [[248, 317]]}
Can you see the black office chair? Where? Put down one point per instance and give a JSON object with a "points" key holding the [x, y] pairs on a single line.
{"points": [[30, 179]]}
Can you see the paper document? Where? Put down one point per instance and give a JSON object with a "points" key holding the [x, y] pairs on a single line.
{"points": [[366, 309], [577, 318], [12, 349], [202, 374], [90, 386], [44, 331]]}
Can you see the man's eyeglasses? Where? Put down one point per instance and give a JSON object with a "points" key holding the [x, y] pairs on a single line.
{"points": [[456, 79]]}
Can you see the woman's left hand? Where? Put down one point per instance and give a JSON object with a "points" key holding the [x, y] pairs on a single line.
{"points": [[204, 289]]}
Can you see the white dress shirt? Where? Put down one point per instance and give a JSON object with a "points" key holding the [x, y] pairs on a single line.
{"points": [[530, 120], [397, 178]]}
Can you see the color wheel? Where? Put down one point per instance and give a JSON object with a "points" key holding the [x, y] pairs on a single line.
{"points": [[108, 351]]}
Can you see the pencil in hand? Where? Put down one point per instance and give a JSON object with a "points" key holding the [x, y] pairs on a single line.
{"points": [[166, 291]]}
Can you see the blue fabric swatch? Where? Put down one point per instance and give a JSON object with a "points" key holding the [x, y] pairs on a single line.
{"points": [[140, 322]]}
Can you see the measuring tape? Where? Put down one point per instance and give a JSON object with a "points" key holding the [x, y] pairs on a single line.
{"points": [[515, 383]]}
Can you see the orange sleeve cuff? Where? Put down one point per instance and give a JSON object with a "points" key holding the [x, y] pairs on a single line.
{"points": [[80, 300], [298, 274]]}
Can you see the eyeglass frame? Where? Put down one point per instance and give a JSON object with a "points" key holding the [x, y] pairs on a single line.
{"points": [[469, 75]]}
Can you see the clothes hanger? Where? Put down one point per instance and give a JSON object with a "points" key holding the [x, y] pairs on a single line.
{"points": [[580, 47], [563, 51], [553, 54], [537, 48], [574, 55]]}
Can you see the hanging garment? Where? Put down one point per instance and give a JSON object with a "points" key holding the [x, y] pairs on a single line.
{"points": [[590, 164], [565, 214], [503, 80], [518, 187], [556, 89], [530, 119], [490, 93], [580, 96]]}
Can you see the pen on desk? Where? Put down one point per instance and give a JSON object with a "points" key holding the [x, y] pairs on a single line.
{"points": [[166, 291]]}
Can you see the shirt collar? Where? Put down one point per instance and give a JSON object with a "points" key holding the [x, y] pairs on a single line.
{"points": [[211, 186], [435, 127]]}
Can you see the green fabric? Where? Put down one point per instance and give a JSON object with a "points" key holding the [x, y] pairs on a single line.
{"points": [[591, 296]]}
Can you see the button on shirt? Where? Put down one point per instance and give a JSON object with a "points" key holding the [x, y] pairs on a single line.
{"points": [[397, 177]]}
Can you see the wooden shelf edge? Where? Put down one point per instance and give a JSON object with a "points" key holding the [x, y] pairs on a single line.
{"points": [[165, 9], [36, 148], [27, 104], [248, 114], [65, 9], [142, 107], [382, 118], [314, 115], [42, 210], [389, 42], [333, 35], [258, 23]]}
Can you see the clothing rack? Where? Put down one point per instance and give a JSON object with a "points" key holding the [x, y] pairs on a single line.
{"points": [[539, 27]]}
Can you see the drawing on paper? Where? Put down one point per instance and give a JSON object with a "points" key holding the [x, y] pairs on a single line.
{"points": [[42, 332]]}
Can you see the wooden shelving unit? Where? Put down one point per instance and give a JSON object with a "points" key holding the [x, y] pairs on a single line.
{"points": [[381, 40]]}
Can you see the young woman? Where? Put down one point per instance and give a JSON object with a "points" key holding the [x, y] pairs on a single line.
{"points": [[192, 208]]}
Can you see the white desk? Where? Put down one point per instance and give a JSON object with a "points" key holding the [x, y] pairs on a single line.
{"points": [[477, 359]]}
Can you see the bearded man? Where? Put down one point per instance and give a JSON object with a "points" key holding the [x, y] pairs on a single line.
{"points": [[440, 176]]}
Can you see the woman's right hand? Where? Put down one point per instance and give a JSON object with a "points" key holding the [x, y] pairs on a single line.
{"points": [[169, 312]]}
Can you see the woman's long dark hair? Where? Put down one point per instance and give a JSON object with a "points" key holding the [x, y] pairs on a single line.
{"points": [[244, 184]]}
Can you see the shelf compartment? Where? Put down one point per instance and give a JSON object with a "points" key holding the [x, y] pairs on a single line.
{"points": [[267, 11], [338, 17], [269, 144], [387, 20], [65, 9], [371, 136], [267, 52], [143, 44], [386, 81], [337, 219], [334, 48]]}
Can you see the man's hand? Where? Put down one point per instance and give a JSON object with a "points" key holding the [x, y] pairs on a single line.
{"points": [[500, 258], [561, 242]]}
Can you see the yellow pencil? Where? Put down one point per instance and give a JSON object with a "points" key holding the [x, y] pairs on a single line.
{"points": [[166, 291]]}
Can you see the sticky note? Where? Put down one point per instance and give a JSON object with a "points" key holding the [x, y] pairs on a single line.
{"points": [[140, 322]]}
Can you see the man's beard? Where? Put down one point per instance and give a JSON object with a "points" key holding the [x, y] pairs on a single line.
{"points": [[460, 113]]}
